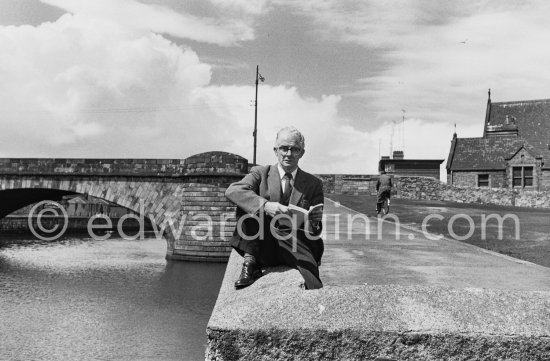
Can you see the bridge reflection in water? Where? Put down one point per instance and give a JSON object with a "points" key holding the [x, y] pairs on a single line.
{"points": [[82, 299]]}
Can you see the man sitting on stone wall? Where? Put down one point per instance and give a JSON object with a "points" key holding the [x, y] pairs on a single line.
{"points": [[262, 198]]}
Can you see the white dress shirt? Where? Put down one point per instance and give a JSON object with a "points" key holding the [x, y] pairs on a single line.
{"points": [[283, 179]]}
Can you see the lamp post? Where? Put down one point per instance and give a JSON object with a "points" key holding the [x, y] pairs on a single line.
{"points": [[259, 77]]}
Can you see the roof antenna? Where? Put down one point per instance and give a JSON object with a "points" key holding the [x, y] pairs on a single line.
{"points": [[489, 93]]}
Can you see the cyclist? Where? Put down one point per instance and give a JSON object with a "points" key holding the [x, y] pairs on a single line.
{"points": [[383, 188]]}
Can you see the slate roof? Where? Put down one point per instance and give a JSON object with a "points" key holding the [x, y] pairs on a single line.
{"points": [[485, 153], [532, 118]]}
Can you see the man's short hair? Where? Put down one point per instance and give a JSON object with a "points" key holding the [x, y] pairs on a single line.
{"points": [[294, 131]]}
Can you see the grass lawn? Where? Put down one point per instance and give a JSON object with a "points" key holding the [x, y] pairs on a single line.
{"points": [[532, 225]]}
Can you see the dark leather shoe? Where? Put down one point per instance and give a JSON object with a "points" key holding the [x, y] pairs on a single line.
{"points": [[249, 274]]}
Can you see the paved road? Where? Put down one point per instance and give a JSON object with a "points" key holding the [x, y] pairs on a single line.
{"points": [[365, 256]]}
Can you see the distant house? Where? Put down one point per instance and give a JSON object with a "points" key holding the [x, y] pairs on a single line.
{"points": [[514, 151], [85, 206], [398, 165]]}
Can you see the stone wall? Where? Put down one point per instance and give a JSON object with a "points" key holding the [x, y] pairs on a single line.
{"points": [[524, 159], [545, 179], [356, 184], [497, 179], [188, 199], [464, 179], [431, 189], [209, 224], [203, 163]]}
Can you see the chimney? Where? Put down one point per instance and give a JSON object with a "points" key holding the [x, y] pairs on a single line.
{"points": [[398, 154]]}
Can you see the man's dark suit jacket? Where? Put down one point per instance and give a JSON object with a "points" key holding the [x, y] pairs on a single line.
{"points": [[384, 183], [263, 184]]}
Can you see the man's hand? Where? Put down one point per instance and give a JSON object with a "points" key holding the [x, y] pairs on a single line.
{"points": [[316, 215], [274, 208]]}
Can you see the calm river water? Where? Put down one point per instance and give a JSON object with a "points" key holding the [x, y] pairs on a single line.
{"points": [[82, 299]]}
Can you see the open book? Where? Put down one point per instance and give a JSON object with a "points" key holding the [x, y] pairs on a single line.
{"points": [[298, 216]]}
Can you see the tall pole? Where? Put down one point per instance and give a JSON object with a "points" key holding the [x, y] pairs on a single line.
{"points": [[403, 131], [255, 134], [391, 138], [259, 78]]}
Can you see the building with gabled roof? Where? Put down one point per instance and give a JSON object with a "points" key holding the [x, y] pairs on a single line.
{"points": [[514, 151]]}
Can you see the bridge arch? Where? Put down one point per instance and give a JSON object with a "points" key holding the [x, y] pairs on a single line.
{"points": [[185, 197]]}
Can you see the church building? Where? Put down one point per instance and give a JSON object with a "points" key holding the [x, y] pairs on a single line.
{"points": [[514, 151]]}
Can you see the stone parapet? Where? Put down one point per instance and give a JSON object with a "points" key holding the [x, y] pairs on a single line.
{"points": [[204, 163], [276, 319]]}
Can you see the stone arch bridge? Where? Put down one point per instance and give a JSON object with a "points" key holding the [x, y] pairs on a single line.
{"points": [[185, 197]]}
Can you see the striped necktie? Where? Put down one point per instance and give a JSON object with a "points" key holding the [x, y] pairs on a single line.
{"points": [[288, 189]]}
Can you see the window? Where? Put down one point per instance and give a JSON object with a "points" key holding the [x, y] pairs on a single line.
{"points": [[528, 176], [522, 176], [516, 174], [483, 180]]}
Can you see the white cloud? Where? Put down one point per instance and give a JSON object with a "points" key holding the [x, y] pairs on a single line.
{"points": [[330, 146], [101, 82], [427, 70], [84, 82], [89, 87], [247, 7], [160, 19], [439, 59]]}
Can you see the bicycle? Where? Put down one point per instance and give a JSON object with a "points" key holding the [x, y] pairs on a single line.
{"points": [[385, 206], [385, 209]]}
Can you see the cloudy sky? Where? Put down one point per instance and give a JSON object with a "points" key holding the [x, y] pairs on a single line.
{"points": [[172, 78]]}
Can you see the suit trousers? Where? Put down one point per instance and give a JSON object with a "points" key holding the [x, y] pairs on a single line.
{"points": [[273, 246]]}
